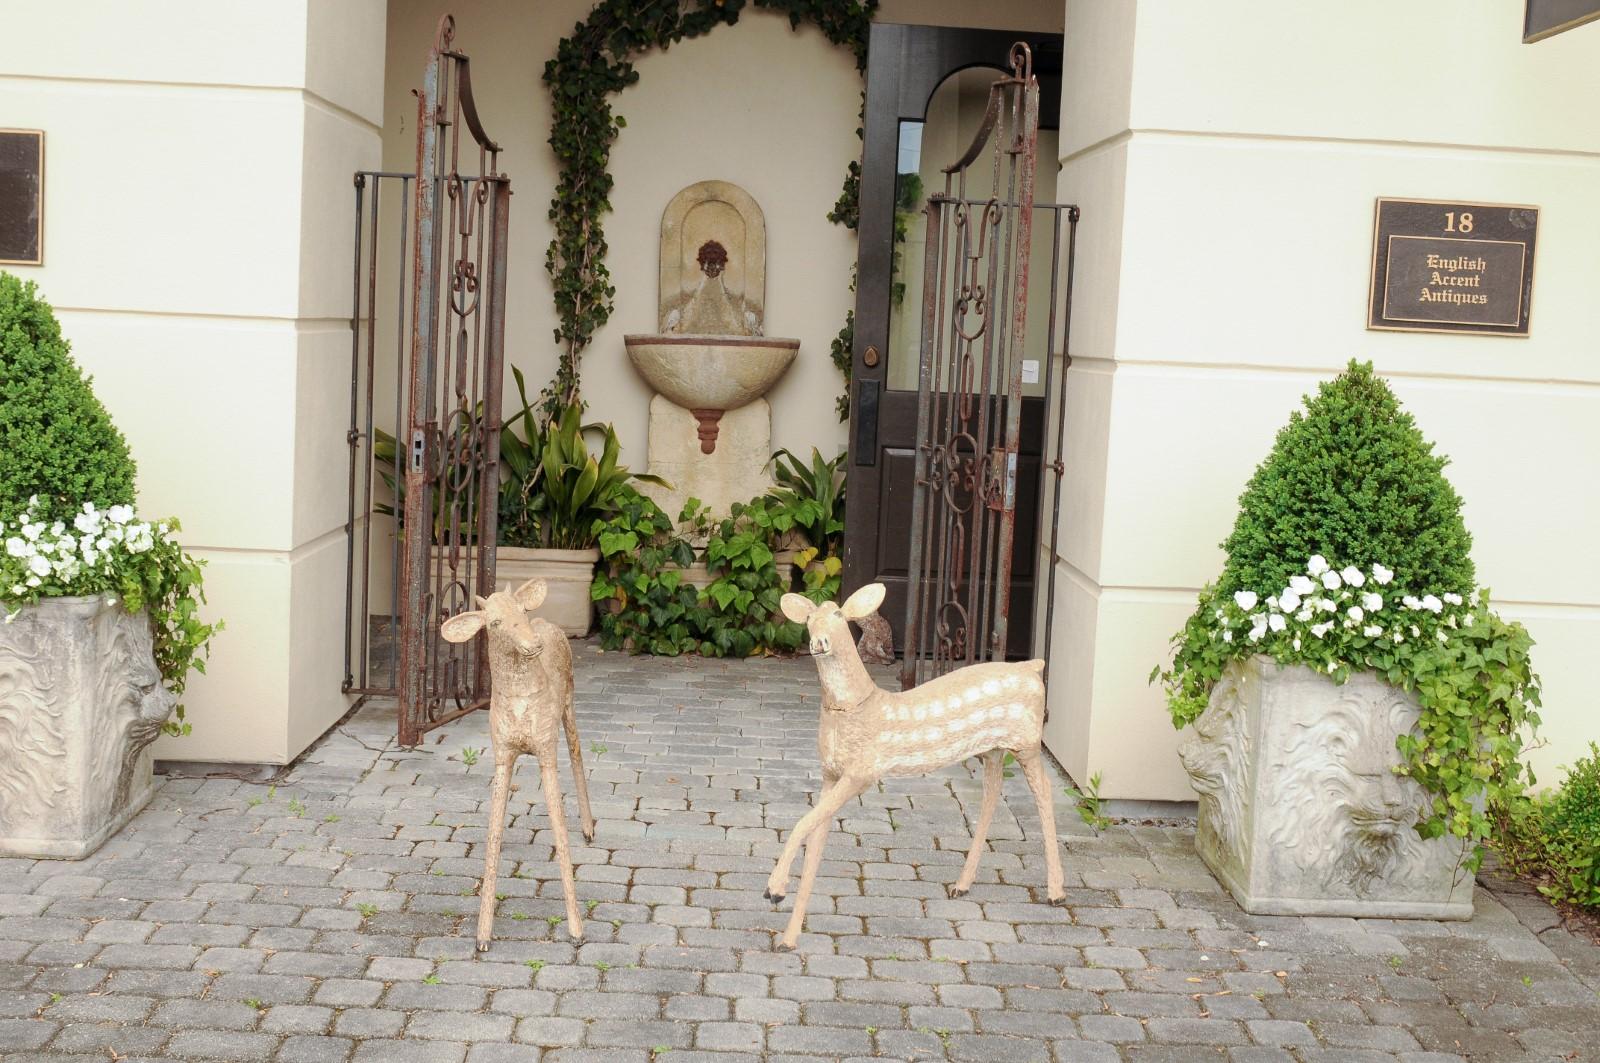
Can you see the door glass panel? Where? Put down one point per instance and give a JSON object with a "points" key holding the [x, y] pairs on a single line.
{"points": [[954, 114]]}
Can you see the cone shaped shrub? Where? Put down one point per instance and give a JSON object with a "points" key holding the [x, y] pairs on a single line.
{"points": [[57, 439], [1353, 480]]}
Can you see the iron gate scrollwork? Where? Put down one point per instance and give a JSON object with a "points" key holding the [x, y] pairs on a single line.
{"points": [[440, 464], [970, 386]]}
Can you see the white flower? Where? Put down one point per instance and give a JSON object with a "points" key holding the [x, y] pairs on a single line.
{"points": [[1381, 575], [1398, 638], [1332, 667], [39, 566], [1258, 620], [1301, 586], [18, 590], [1372, 631], [1297, 642], [1372, 601], [1355, 613], [1304, 614], [1452, 598], [1256, 633], [1432, 604], [31, 532], [1322, 629], [1441, 636], [57, 528], [1277, 622], [1352, 575], [1416, 632], [1227, 636], [1411, 601], [120, 514], [1288, 600], [19, 547], [1245, 600], [1330, 580], [1271, 603], [1317, 565], [87, 522], [1326, 605]]}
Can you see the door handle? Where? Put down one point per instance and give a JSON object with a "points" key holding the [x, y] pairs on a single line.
{"points": [[865, 416], [869, 357]]}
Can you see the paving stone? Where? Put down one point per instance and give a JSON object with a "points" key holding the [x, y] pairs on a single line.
{"points": [[229, 1045]]}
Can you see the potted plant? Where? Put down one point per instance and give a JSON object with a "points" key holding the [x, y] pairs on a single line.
{"points": [[814, 494], [554, 495], [1357, 708], [100, 606]]}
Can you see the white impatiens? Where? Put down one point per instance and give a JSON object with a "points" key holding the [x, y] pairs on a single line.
{"points": [[1332, 615], [55, 558]]}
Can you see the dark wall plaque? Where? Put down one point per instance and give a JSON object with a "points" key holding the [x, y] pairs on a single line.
{"points": [[21, 197], [1546, 18], [1452, 267]]}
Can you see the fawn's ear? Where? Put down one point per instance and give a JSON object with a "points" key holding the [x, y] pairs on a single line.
{"points": [[461, 627], [531, 593], [864, 602], [797, 607]]}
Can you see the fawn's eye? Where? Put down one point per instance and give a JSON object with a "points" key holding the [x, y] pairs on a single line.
{"points": [[494, 623]]}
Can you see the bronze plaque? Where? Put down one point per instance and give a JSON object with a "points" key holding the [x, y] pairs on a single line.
{"points": [[1440, 266], [21, 197]]}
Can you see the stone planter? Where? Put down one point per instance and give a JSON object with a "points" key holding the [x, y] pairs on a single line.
{"points": [[80, 702], [568, 574], [1300, 812]]}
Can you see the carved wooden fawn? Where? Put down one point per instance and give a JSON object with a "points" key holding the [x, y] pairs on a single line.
{"points": [[868, 733], [530, 665]]}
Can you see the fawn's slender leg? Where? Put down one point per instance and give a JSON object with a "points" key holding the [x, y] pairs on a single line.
{"points": [[828, 802], [816, 841], [499, 796], [992, 763], [580, 782], [558, 827], [1033, 770]]}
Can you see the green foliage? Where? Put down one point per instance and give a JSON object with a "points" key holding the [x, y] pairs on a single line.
{"points": [[57, 439], [1555, 838], [1090, 804], [815, 495], [841, 351], [1351, 478], [646, 607], [1352, 482], [590, 66]]}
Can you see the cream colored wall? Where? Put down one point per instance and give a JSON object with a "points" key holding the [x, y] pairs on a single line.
{"points": [[1227, 182], [196, 178]]}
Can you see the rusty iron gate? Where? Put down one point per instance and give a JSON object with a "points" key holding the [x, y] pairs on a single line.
{"points": [[429, 292], [970, 387]]}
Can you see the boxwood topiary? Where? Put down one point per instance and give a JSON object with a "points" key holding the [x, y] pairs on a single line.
{"points": [[1351, 478], [58, 440]]}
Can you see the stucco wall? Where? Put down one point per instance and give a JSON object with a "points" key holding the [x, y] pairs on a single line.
{"points": [[1224, 260], [197, 164]]}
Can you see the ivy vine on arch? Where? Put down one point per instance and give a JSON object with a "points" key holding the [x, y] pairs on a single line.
{"points": [[590, 66]]}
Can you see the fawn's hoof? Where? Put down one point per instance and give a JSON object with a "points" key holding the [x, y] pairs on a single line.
{"points": [[956, 893], [1058, 902], [775, 898], [784, 946], [588, 835], [483, 945]]}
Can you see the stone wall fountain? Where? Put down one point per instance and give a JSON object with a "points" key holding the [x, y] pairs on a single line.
{"points": [[711, 364]]}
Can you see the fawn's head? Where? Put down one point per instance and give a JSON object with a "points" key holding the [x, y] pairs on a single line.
{"points": [[828, 624], [504, 616]]}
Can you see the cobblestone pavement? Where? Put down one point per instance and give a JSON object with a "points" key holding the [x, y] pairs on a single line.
{"points": [[330, 918]]}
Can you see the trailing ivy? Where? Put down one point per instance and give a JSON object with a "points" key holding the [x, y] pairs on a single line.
{"points": [[591, 65]]}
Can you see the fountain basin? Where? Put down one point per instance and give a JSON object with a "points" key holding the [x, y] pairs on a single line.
{"points": [[711, 372]]}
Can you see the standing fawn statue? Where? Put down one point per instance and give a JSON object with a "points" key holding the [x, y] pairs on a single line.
{"points": [[868, 733], [530, 665]]}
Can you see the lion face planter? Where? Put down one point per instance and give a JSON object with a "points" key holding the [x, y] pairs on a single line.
{"points": [[80, 702], [1301, 812]]}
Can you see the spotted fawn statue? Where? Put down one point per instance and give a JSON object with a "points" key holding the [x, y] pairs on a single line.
{"points": [[530, 665], [868, 733]]}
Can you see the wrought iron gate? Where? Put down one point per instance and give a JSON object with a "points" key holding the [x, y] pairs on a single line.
{"points": [[970, 387], [424, 552]]}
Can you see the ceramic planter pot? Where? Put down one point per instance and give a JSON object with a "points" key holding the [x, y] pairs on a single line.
{"points": [[1300, 810], [567, 573], [81, 700]]}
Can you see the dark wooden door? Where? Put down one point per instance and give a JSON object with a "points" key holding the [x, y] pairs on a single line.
{"points": [[925, 85]]}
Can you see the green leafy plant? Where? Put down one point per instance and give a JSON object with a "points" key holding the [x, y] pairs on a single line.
{"points": [[1090, 805], [1555, 838], [645, 607], [821, 483], [66, 488], [591, 65], [58, 440], [1352, 483]]}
